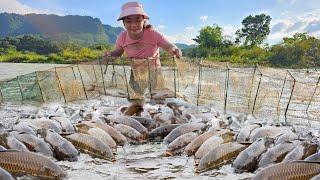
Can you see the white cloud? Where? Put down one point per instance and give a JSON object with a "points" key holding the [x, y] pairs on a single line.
{"points": [[160, 27], [185, 37], [204, 18], [291, 24], [14, 6]]}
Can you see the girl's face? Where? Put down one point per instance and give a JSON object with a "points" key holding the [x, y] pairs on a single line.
{"points": [[134, 24]]}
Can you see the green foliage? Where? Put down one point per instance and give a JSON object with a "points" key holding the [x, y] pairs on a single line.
{"points": [[255, 30], [210, 37]]}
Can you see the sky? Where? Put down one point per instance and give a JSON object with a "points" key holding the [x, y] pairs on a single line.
{"points": [[181, 20]]}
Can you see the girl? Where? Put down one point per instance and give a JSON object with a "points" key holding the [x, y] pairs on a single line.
{"points": [[140, 42]]}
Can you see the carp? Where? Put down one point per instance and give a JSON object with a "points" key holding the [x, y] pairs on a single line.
{"points": [[286, 136], [129, 122], [196, 143], [277, 153], [103, 136], [63, 149], [162, 131], [291, 170], [313, 158], [33, 143], [66, 125], [265, 131], [175, 146], [5, 175], [247, 160], [30, 163], [129, 132], [91, 145], [211, 143], [220, 155], [244, 134], [10, 142], [300, 152], [185, 128], [146, 122]]}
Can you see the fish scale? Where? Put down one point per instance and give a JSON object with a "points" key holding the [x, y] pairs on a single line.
{"points": [[292, 170], [30, 163]]}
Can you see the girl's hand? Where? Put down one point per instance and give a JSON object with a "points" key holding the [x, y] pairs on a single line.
{"points": [[107, 54], [176, 52]]}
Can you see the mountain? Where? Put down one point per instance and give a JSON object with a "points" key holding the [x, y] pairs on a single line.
{"points": [[83, 30], [184, 46]]}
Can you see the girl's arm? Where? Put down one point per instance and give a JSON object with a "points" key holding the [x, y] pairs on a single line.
{"points": [[115, 53], [173, 50]]}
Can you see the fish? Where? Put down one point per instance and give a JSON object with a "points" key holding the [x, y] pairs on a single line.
{"points": [[129, 132], [25, 127], [91, 145], [129, 122], [116, 135], [212, 142], [103, 136], [30, 163], [47, 124], [276, 153], [179, 143], [265, 131], [162, 131], [5, 175], [196, 143], [185, 128], [66, 124], [220, 155], [10, 142], [63, 149], [247, 160], [165, 118], [244, 134], [290, 170], [286, 136], [313, 158], [33, 143], [300, 152], [146, 122]]}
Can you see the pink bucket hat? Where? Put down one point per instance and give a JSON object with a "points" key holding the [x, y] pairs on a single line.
{"points": [[132, 8]]}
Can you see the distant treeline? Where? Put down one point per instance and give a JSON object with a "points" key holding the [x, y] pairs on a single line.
{"points": [[299, 51]]}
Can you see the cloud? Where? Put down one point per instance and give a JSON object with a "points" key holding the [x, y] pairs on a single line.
{"points": [[14, 6], [185, 37], [204, 18], [290, 24]]}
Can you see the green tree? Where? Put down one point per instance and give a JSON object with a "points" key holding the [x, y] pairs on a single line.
{"points": [[210, 37], [255, 30]]}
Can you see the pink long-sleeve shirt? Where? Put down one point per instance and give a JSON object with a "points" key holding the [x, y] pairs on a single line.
{"points": [[145, 47]]}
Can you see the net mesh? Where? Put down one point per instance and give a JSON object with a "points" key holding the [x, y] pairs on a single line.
{"points": [[265, 92]]}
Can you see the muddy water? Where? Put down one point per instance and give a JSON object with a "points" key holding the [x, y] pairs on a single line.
{"points": [[143, 162]]}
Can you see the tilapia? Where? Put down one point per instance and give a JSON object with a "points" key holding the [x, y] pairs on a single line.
{"points": [[292, 170], [129, 122], [30, 163], [33, 143], [91, 145], [63, 149], [219, 156], [5, 175], [10, 142], [185, 128], [162, 131], [300, 152], [196, 143], [245, 132], [212, 143], [276, 153], [175, 146], [247, 160]]}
